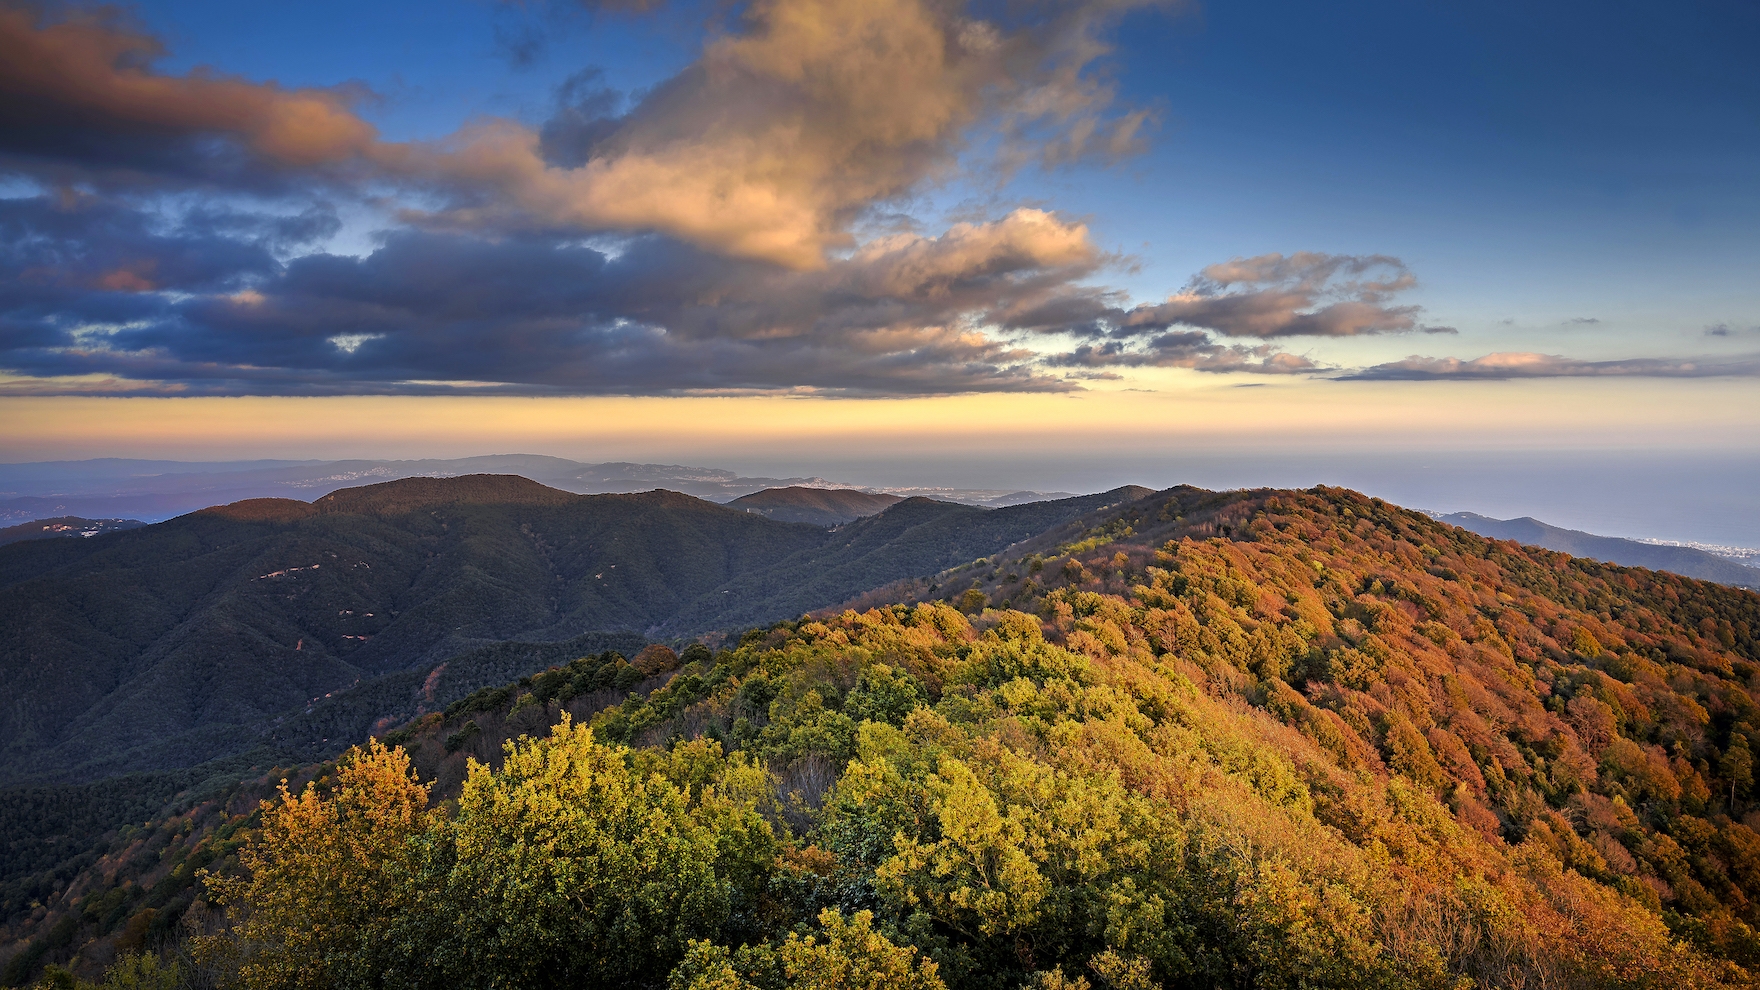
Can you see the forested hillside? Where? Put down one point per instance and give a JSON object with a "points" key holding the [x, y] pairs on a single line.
{"points": [[819, 506], [172, 644], [1252, 739]]}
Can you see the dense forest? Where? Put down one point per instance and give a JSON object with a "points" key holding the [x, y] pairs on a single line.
{"points": [[1249, 739]]}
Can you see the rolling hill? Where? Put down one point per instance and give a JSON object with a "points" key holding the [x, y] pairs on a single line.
{"points": [[181, 642], [819, 506]]}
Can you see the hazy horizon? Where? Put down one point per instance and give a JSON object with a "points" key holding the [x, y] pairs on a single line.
{"points": [[1689, 497]]}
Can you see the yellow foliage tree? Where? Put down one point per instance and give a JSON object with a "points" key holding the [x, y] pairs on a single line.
{"points": [[327, 877]]}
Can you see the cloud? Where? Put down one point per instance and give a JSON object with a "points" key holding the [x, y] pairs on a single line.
{"points": [[704, 236], [785, 132], [1725, 330], [770, 145], [1268, 296], [1306, 294], [79, 101], [528, 314], [1583, 321], [1515, 364], [1188, 349]]}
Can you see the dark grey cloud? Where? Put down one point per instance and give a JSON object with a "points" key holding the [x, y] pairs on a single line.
{"points": [[1509, 365], [1306, 294], [72, 267], [586, 116], [203, 305], [1186, 349], [1725, 330], [211, 301]]}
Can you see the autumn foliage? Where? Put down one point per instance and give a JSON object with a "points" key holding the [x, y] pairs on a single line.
{"points": [[1242, 740]]}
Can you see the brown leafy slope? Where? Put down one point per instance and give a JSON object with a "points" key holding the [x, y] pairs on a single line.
{"points": [[1606, 715]]}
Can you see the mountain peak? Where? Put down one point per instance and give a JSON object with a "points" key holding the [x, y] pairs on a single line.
{"points": [[260, 510], [410, 494], [820, 506]]}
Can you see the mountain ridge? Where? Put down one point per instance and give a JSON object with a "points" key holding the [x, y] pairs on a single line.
{"points": [[1686, 561], [166, 641]]}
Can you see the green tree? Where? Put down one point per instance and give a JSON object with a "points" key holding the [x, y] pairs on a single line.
{"points": [[846, 954], [142, 971], [566, 868]]}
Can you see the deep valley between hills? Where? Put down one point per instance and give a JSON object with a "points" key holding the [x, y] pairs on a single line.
{"points": [[1178, 738]]}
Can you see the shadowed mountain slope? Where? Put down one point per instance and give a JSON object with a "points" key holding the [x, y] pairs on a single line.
{"points": [[819, 506], [153, 648], [916, 537], [1686, 561]]}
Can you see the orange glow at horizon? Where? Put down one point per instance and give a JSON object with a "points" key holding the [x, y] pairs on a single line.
{"points": [[1297, 414]]}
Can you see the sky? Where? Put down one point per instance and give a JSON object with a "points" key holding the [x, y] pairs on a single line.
{"points": [[1033, 244]]}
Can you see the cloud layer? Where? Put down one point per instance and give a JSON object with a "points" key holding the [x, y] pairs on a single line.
{"points": [[1521, 364], [205, 306], [713, 234]]}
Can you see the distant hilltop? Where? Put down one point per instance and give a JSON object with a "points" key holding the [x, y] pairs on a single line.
{"points": [[64, 526], [1682, 560], [820, 506]]}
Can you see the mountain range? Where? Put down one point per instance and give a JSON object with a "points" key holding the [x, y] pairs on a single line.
{"points": [[157, 490], [186, 640], [1241, 738]]}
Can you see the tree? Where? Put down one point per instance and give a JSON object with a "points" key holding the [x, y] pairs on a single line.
{"points": [[566, 868], [1737, 766], [847, 954], [327, 876]]}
